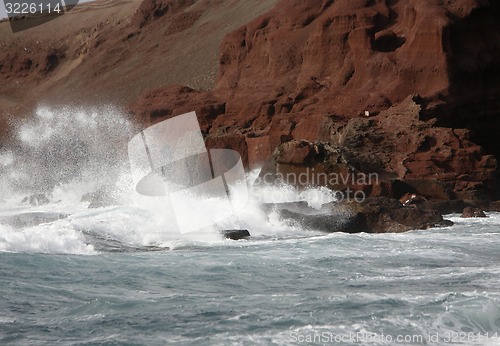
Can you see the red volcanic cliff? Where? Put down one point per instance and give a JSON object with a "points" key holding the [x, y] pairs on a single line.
{"points": [[295, 80], [310, 69]]}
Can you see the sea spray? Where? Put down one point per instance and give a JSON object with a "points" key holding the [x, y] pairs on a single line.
{"points": [[68, 152], [62, 145]]}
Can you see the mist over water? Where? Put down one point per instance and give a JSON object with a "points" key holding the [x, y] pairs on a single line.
{"points": [[65, 145], [62, 154]]}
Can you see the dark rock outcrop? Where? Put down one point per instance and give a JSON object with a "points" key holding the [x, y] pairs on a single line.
{"points": [[473, 212], [382, 214], [37, 199], [30, 219], [329, 219], [373, 215], [326, 221], [445, 206], [105, 196], [412, 200], [236, 234]]}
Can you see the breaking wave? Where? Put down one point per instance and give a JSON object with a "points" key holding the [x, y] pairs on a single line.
{"points": [[64, 154]]}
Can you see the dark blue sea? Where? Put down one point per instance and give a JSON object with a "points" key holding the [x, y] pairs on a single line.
{"points": [[282, 289]]}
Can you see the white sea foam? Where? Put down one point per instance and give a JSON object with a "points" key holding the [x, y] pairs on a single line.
{"points": [[56, 238], [67, 152]]}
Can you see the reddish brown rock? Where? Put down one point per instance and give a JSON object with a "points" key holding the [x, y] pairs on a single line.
{"points": [[396, 145], [473, 212], [348, 56], [161, 104], [297, 152], [412, 200], [259, 151], [314, 73], [435, 162], [233, 141], [470, 212], [306, 164], [112, 51]]}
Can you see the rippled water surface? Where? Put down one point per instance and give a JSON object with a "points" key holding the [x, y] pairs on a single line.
{"points": [[279, 289]]}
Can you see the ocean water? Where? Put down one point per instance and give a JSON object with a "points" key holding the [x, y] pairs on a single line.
{"points": [[118, 275]]}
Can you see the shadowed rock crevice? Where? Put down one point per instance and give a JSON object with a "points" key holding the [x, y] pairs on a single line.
{"points": [[387, 41]]}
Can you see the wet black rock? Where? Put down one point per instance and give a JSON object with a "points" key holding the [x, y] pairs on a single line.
{"points": [[236, 234], [473, 212], [383, 215], [373, 215]]}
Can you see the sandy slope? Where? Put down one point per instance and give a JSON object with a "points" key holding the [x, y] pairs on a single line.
{"points": [[99, 53]]}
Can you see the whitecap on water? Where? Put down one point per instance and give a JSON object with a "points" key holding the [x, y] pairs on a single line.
{"points": [[54, 238]]}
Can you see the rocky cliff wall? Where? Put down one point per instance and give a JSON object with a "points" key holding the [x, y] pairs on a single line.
{"points": [[408, 87]]}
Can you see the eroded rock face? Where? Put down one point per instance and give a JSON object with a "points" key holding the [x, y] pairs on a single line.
{"points": [[310, 71], [355, 55], [434, 162], [437, 162], [160, 104], [347, 56]]}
